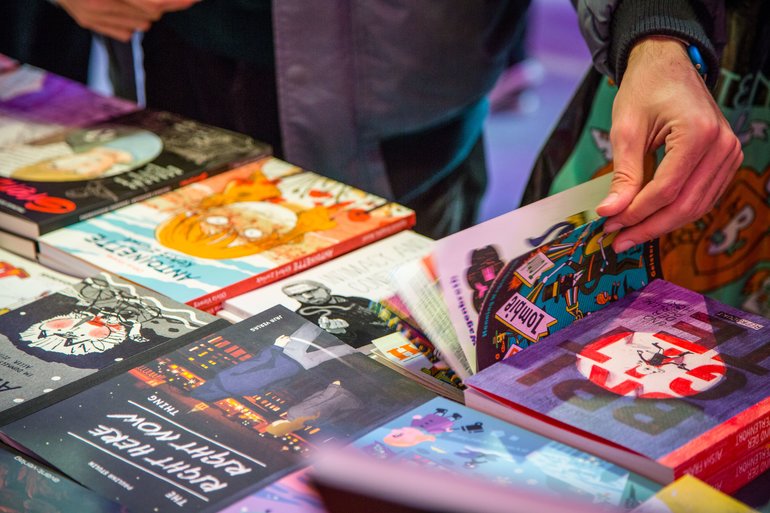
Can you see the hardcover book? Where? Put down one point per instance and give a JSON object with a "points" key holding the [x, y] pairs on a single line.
{"points": [[81, 334], [664, 381], [81, 172], [450, 443], [215, 420], [28, 486], [35, 103], [229, 234], [22, 281]]}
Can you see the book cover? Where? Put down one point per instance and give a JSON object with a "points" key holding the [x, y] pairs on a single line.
{"points": [[35, 103], [22, 281], [665, 380], [293, 493], [362, 275], [230, 233], [26, 486], [688, 494], [74, 174], [468, 261], [548, 288], [213, 421], [73, 337], [446, 437]]}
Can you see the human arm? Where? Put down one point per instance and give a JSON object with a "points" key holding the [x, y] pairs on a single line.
{"points": [[119, 19], [661, 100]]}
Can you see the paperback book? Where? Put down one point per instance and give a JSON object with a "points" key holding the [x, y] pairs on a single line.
{"points": [[35, 103], [445, 442], [84, 333], [689, 494], [26, 486], [229, 234], [664, 381], [78, 173], [213, 421], [552, 286], [22, 281]]}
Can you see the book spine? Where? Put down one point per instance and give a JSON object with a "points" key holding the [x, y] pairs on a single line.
{"points": [[212, 302], [742, 472], [742, 434]]}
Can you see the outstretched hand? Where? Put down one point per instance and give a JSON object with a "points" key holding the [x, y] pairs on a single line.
{"points": [[663, 101], [119, 19]]}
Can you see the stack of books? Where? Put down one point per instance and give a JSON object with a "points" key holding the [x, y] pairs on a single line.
{"points": [[188, 322]]}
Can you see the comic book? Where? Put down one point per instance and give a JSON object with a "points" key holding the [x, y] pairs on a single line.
{"points": [[77, 173], [22, 281], [80, 334], [663, 381], [214, 421], [442, 442], [229, 234], [28, 486], [35, 103]]}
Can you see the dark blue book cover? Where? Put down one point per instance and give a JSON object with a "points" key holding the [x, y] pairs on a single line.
{"points": [[204, 425]]}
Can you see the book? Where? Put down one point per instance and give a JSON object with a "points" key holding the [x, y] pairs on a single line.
{"points": [[293, 493], [78, 173], [35, 103], [466, 263], [229, 234], [78, 335], [688, 494], [22, 281], [363, 273], [548, 288], [463, 449], [28, 486], [664, 381], [213, 421], [19, 245]]}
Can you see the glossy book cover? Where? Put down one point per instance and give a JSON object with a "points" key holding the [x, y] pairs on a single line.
{"points": [[22, 281], [231, 233], [218, 419], [74, 174], [70, 338], [665, 372], [552, 286]]}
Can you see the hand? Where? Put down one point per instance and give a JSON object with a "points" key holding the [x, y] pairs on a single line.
{"points": [[119, 19], [663, 100], [334, 326]]}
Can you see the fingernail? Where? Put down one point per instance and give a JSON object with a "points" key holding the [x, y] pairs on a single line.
{"points": [[623, 245], [612, 226], [609, 200]]}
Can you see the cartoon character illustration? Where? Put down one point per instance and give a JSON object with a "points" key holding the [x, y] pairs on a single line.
{"points": [[425, 428], [351, 319], [725, 244], [289, 355], [246, 218], [485, 265], [658, 359], [328, 404], [91, 326], [476, 456], [90, 154]]}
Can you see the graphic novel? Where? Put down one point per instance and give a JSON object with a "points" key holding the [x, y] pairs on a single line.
{"points": [[22, 281], [77, 335], [217, 419], [550, 287], [77, 173], [443, 436], [664, 381], [230, 233]]}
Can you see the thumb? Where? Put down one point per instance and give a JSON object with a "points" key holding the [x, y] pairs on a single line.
{"points": [[628, 149]]}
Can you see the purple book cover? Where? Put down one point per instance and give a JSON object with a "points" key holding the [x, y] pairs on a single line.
{"points": [[657, 372]]}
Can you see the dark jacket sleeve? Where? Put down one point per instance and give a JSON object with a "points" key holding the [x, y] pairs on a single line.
{"points": [[611, 28]]}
